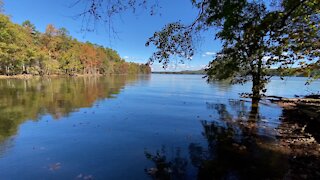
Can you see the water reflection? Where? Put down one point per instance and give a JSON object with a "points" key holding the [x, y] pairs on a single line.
{"points": [[236, 147], [22, 100], [107, 140], [221, 86]]}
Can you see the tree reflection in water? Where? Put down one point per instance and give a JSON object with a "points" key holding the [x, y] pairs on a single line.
{"points": [[22, 100], [235, 147], [174, 168]]}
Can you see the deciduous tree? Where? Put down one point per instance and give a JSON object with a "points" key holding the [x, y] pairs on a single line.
{"points": [[256, 36]]}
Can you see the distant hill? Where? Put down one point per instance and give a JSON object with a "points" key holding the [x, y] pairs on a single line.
{"points": [[298, 72], [272, 72]]}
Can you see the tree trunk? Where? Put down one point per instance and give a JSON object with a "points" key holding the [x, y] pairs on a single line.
{"points": [[254, 113], [23, 69], [7, 70], [256, 86]]}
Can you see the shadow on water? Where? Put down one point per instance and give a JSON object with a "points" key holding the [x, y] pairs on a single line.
{"points": [[165, 168], [22, 100], [236, 148]]}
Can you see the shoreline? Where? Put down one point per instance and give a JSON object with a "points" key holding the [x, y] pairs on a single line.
{"points": [[29, 76], [17, 76]]}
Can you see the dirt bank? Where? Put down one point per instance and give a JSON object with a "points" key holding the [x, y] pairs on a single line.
{"points": [[17, 76]]}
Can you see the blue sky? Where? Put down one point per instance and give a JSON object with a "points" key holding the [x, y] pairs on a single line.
{"points": [[133, 30]]}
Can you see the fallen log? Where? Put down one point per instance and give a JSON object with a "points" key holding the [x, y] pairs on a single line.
{"points": [[304, 100], [314, 100]]}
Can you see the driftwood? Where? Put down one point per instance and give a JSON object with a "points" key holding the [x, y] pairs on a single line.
{"points": [[305, 105], [312, 100], [305, 100]]}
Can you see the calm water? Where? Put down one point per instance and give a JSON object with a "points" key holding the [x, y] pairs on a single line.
{"points": [[119, 127]]}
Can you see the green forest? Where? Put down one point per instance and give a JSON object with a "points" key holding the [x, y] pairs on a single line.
{"points": [[24, 50]]}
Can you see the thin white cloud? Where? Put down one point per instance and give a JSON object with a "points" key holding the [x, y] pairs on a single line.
{"points": [[202, 66], [266, 58], [173, 67], [134, 59], [208, 53]]}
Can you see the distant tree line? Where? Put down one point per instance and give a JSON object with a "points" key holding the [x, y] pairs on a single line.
{"points": [[299, 72], [24, 50]]}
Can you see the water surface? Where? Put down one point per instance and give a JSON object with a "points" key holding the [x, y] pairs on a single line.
{"points": [[119, 127]]}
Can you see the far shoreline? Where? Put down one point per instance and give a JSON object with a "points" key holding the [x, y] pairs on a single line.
{"points": [[30, 76]]}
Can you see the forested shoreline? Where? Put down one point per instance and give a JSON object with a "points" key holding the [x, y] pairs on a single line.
{"points": [[24, 50]]}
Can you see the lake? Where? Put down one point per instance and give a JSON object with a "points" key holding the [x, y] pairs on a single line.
{"points": [[124, 127]]}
